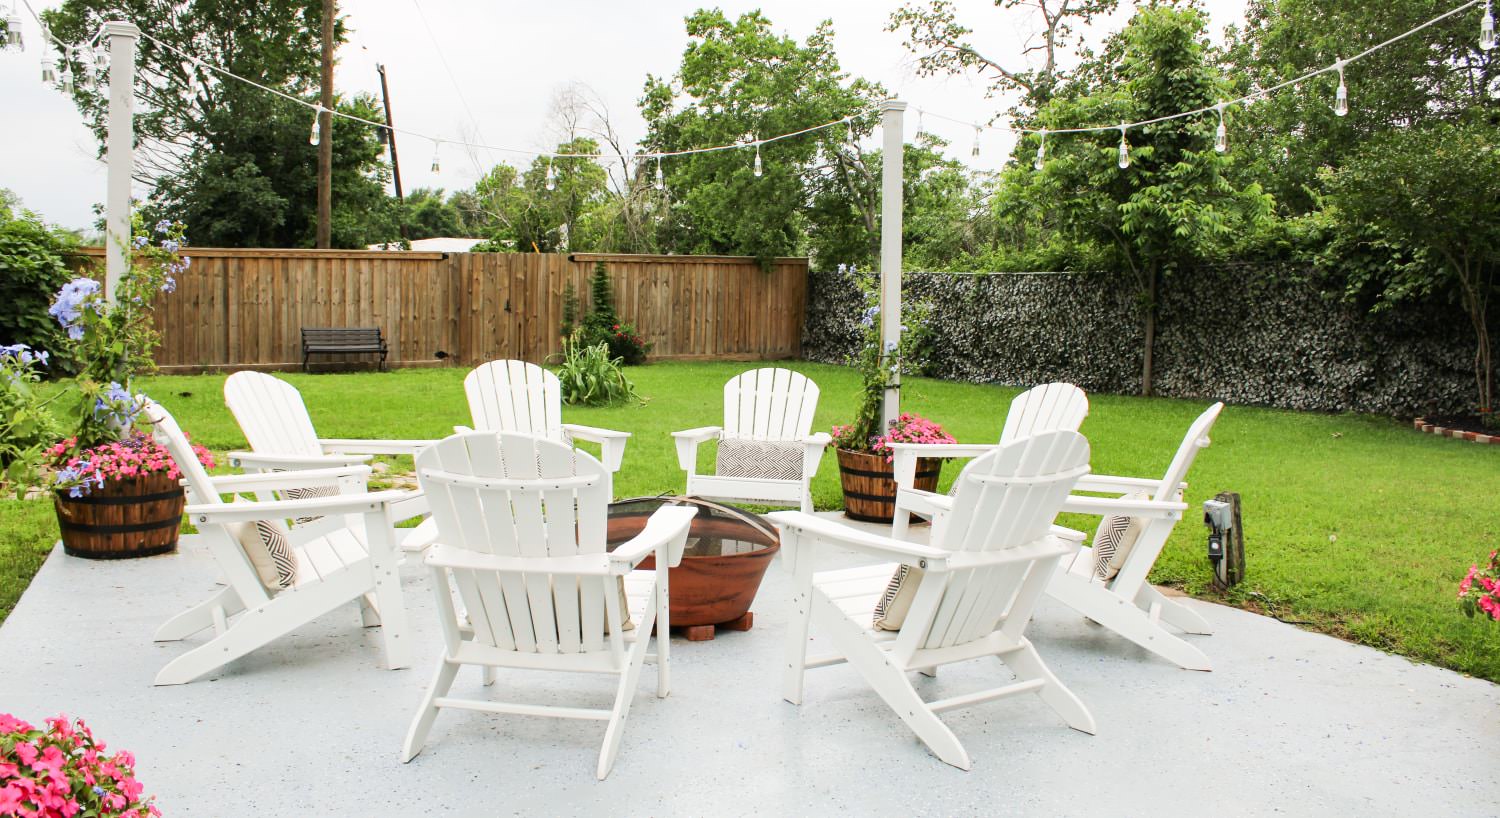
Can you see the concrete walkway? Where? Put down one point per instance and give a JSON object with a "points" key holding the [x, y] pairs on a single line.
{"points": [[1290, 722]]}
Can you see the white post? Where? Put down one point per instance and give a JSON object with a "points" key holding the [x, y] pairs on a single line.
{"points": [[120, 147], [893, 145]]}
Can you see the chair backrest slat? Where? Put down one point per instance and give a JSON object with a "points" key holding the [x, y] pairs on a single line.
{"points": [[271, 413], [1046, 408], [1006, 498], [515, 396], [522, 610], [1195, 440], [769, 404]]}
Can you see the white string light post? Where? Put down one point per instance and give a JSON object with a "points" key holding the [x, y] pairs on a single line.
{"points": [[893, 141], [120, 151]]}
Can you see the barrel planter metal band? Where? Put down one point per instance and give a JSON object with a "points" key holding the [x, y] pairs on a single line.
{"points": [[140, 517], [870, 486]]}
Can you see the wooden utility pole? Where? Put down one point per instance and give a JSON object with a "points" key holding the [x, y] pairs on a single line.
{"points": [[325, 135], [390, 135]]}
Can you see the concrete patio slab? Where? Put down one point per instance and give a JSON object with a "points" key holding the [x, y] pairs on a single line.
{"points": [[1289, 722]]}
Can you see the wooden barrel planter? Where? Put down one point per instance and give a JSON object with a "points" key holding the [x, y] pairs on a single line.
{"points": [[727, 554], [870, 486], [123, 518]]}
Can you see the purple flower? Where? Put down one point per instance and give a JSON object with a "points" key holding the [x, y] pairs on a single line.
{"points": [[164, 225], [170, 245], [169, 284], [140, 242], [869, 316], [68, 305]]}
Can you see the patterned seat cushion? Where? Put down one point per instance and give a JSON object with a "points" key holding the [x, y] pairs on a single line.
{"points": [[270, 551], [1114, 539], [764, 459], [895, 602]]}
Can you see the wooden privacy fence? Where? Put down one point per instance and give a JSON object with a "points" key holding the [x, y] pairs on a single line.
{"points": [[243, 309]]}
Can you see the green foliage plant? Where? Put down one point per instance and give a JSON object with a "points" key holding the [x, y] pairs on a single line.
{"points": [[33, 266], [590, 377], [603, 325], [879, 364]]}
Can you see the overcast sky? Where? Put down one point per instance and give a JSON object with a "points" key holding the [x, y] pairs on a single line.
{"points": [[489, 71]]}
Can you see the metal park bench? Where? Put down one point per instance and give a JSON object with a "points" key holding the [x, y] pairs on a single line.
{"points": [[341, 340]]}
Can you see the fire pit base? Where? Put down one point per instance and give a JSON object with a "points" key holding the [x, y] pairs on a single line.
{"points": [[727, 554]]}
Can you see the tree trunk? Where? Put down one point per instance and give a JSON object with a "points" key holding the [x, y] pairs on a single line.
{"points": [[1146, 362]]}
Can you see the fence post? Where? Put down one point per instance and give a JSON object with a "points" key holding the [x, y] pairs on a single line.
{"points": [[120, 145]]}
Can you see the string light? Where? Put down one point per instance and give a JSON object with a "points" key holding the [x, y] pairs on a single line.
{"points": [[67, 71], [1124, 149], [101, 60], [1041, 151], [1221, 136], [551, 177], [13, 29], [49, 70], [1341, 96], [437, 150], [1487, 29], [661, 183], [975, 151], [317, 128], [757, 166], [919, 124]]}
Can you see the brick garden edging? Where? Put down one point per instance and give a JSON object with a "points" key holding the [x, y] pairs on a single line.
{"points": [[1421, 425]]}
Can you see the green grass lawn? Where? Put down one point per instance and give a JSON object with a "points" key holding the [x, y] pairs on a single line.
{"points": [[1355, 525]]}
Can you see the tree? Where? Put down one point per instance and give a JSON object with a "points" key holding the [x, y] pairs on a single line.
{"points": [[1174, 206], [739, 82], [942, 45], [1429, 195], [231, 160], [429, 214], [32, 269], [1286, 138]]}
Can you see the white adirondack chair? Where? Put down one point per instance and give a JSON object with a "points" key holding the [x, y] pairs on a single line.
{"points": [[521, 532], [767, 451], [1127, 603], [975, 594], [516, 396], [356, 561], [1050, 407]]}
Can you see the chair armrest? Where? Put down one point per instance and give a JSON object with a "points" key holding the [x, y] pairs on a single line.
{"points": [[256, 461], [461, 429], [923, 502], [820, 529], [611, 443], [278, 480], [357, 446], [905, 456], [445, 556], [812, 452], [1069, 534], [307, 507], [665, 534], [687, 445], [1049, 546], [1101, 506], [420, 537], [1120, 485]]}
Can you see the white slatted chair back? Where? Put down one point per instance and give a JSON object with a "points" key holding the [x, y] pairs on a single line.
{"points": [[1195, 440], [516, 495], [1046, 408], [515, 396], [1006, 499], [769, 404], [272, 415]]}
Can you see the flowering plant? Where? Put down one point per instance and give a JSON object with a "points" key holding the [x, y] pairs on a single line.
{"points": [[1486, 598], [26, 425], [62, 771], [135, 456], [879, 364]]}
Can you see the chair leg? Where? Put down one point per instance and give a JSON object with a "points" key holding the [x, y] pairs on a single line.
{"points": [[416, 735], [891, 684], [394, 631], [1122, 616], [625, 694], [258, 627], [200, 616], [1173, 612], [663, 638], [369, 612], [1027, 665], [899, 523], [796, 632]]}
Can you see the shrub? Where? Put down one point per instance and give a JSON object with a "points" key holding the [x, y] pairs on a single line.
{"points": [[603, 325], [32, 268], [1485, 599], [589, 376], [63, 771]]}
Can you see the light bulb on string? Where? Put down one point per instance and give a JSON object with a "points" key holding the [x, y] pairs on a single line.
{"points": [[1221, 136], [317, 128], [1341, 96], [66, 79], [1041, 151], [919, 124], [974, 152], [437, 150], [757, 167], [101, 59], [49, 70], [661, 183], [1124, 149], [1487, 29], [551, 177], [13, 30]]}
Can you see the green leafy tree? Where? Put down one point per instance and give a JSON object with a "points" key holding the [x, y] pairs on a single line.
{"points": [[1424, 199], [429, 214], [32, 269], [739, 81], [1174, 206]]}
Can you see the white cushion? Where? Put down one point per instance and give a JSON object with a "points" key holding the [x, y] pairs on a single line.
{"points": [[266, 544], [895, 602]]}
